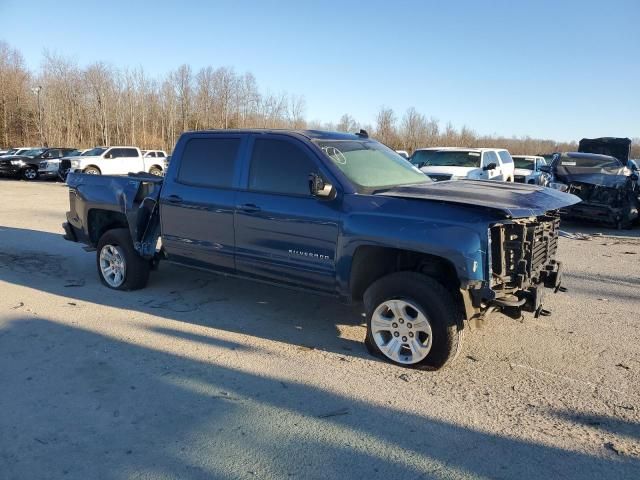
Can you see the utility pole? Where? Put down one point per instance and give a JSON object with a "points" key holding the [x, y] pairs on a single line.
{"points": [[37, 90]]}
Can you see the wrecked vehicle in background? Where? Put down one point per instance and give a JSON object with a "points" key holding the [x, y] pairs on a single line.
{"points": [[607, 187]]}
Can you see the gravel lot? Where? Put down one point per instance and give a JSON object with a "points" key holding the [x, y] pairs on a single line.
{"points": [[200, 376]]}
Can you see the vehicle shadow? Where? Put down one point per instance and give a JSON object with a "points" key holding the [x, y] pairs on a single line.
{"points": [[47, 262], [77, 404]]}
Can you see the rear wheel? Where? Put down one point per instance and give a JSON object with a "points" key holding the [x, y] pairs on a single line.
{"points": [[119, 265], [30, 173], [413, 321]]}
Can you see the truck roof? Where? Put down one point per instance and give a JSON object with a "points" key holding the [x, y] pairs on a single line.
{"points": [[310, 134]]}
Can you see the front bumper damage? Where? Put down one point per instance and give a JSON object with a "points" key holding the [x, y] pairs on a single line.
{"points": [[522, 267], [615, 205]]}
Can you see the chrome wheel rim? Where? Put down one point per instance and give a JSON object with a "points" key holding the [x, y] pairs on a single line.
{"points": [[112, 265], [30, 173], [156, 172], [91, 171], [402, 331]]}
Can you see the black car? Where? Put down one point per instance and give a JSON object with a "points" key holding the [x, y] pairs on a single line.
{"points": [[27, 164]]}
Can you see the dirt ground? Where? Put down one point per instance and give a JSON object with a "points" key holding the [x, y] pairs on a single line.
{"points": [[200, 376]]}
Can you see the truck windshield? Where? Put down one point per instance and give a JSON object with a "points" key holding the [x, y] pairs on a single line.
{"points": [[448, 158], [94, 152], [420, 158], [371, 165], [523, 162]]}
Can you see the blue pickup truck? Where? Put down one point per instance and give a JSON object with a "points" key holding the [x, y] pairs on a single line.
{"points": [[336, 214]]}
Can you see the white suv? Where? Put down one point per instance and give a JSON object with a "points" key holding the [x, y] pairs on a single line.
{"points": [[452, 163]]}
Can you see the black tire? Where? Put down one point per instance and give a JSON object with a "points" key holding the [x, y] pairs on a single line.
{"points": [[29, 173], [137, 268], [155, 171], [437, 303], [91, 170]]}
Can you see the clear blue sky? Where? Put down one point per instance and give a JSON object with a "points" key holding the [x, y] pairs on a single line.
{"points": [[553, 69]]}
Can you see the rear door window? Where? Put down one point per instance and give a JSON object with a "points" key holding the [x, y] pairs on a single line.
{"points": [[280, 166], [209, 161]]}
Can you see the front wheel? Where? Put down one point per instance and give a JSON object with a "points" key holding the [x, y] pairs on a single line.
{"points": [[155, 171], [30, 173], [119, 265], [413, 321], [92, 171]]}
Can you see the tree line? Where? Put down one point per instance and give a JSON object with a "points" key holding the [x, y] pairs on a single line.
{"points": [[64, 104]]}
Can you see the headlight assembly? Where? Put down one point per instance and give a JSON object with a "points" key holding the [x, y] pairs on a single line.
{"points": [[17, 162]]}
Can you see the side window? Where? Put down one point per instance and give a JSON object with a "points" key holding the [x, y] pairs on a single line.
{"points": [[209, 162], [151, 154], [113, 153], [128, 152], [505, 157], [54, 154], [280, 166], [490, 157]]}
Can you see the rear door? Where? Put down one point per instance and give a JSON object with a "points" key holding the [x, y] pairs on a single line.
{"points": [[283, 234], [508, 167], [198, 201], [130, 160]]}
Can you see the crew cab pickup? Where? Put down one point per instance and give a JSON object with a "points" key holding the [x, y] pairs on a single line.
{"points": [[335, 214], [116, 161]]}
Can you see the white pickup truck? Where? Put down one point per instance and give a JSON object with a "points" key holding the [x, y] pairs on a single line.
{"points": [[452, 163], [114, 161]]}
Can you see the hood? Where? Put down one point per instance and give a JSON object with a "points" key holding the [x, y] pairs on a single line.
{"points": [[610, 174], [523, 171], [455, 171], [514, 200], [611, 146]]}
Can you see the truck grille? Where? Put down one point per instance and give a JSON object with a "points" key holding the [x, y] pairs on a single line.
{"points": [[521, 250]]}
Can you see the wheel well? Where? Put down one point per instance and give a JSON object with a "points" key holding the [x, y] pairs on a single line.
{"points": [[99, 221], [371, 263], [92, 166]]}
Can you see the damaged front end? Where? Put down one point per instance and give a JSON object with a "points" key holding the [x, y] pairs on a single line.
{"points": [[522, 264], [616, 206], [608, 190]]}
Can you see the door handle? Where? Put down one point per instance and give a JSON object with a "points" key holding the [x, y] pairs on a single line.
{"points": [[248, 208], [174, 199]]}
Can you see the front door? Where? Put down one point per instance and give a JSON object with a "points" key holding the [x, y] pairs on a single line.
{"points": [[283, 234], [487, 159]]}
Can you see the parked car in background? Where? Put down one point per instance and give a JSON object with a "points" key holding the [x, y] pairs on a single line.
{"points": [[109, 161], [27, 164], [453, 163], [336, 214], [528, 170], [154, 161], [17, 151], [58, 167], [403, 153]]}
